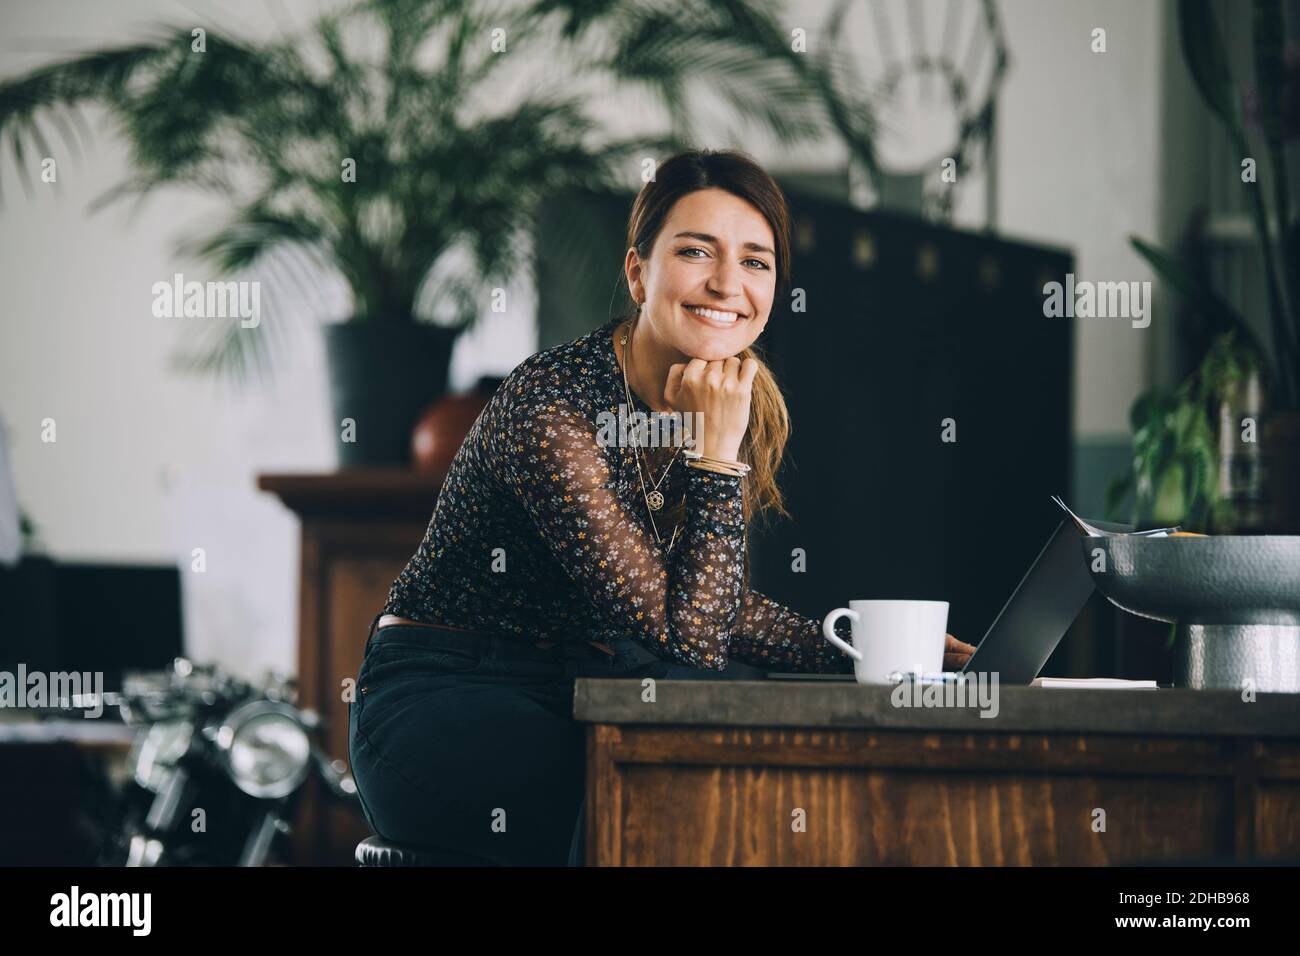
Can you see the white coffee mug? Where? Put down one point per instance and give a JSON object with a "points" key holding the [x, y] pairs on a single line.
{"points": [[888, 636]]}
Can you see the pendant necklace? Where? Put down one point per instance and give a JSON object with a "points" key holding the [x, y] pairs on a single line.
{"points": [[654, 498]]}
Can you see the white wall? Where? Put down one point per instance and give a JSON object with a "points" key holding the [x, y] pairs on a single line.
{"points": [[1080, 154], [149, 465]]}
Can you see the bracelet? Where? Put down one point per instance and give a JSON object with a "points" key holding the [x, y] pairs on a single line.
{"points": [[708, 459], [721, 466], [715, 469]]}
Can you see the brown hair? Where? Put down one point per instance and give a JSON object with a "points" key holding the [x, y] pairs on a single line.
{"points": [[739, 174]]}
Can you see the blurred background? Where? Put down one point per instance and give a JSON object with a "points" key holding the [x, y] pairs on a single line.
{"points": [[412, 197]]}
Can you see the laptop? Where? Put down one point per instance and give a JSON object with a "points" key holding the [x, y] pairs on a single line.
{"points": [[1036, 616]]}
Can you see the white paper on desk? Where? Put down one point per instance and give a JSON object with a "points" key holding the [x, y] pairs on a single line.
{"points": [[1116, 683], [1093, 531]]}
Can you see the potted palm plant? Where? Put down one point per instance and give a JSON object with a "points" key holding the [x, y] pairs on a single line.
{"points": [[1181, 471], [383, 169]]}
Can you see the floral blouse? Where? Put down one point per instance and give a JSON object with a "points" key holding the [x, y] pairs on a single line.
{"points": [[541, 530]]}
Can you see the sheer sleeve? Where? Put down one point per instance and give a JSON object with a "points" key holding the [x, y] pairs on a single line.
{"points": [[769, 635], [682, 605]]}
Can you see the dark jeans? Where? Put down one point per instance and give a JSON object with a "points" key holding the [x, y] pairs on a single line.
{"points": [[466, 743]]}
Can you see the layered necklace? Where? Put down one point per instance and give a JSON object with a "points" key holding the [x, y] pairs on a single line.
{"points": [[654, 498]]}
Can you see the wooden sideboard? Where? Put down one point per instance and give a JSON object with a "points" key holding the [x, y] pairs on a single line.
{"points": [[359, 528], [780, 773]]}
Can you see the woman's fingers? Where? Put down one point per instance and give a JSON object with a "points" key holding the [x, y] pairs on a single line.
{"points": [[717, 373], [694, 375], [713, 372], [674, 383], [952, 644], [955, 653]]}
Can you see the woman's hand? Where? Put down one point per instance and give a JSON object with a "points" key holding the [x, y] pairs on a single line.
{"points": [[955, 653], [721, 390]]}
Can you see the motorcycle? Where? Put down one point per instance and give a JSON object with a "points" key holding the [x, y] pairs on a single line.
{"points": [[217, 769]]}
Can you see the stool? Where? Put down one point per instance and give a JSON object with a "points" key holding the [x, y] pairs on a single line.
{"points": [[375, 851]]}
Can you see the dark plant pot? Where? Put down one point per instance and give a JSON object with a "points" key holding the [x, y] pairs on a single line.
{"points": [[382, 376]]}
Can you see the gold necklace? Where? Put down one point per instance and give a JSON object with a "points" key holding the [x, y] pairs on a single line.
{"points": [[654, 499]]}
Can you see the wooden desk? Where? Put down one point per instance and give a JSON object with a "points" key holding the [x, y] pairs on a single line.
{"points": [[728, 772], [359, 528]]}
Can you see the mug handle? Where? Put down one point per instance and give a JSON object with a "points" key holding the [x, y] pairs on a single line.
{"points": [[828, 630]]}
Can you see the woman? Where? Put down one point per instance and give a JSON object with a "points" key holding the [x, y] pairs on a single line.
{"points": [[554, 552]]}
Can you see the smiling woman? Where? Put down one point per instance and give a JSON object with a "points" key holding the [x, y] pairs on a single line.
{"points": [[553, 553], [708, 251]]}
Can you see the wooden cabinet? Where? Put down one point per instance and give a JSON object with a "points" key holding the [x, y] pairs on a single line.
{"points": [[359, 528], [782, 773]]}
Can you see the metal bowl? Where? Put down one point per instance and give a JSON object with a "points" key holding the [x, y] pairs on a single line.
{"points": [[1235, 600]]}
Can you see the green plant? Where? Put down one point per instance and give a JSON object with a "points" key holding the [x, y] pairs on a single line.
{"points": [[1174, 476], [267, 127]]}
